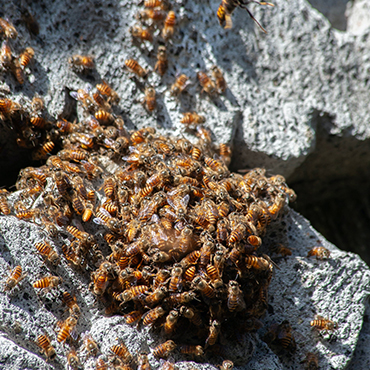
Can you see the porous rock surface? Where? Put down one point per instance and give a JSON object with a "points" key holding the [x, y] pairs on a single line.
{"points": [[280, 86]]}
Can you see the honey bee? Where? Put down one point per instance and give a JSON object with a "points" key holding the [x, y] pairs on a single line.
{"points": [[15, 277], [219, 78], [131, 293], [200, 284], [71, 303], [207, 84], [147, 212], [214, 330], [8, 107], [44, 343], [143, 362], [45, 250], [83, 96], [312, 361], [235, 300], [154, 14], [161, 278], [171, 320], [176, 279], [193, 316], [140, 33], [8, 29], [29, 20], [90, 346], [122, 352], [107, 91], [163, 4], [225, 153], [17, 71], [164, 349], [169, 25], [134, 67], [319, 252], [192, 118], [73, 360], [5, 54], [237, 234], [66, 328], [81, 63], [227, 365], [71, 255], [280, 249], [149, 100], [285, 337], [157, 296], [25, 57], [80, 235], [43, 151], [47, 283], [4, 206], [162, 62], [256, 242], [320, 323], [191, 349], [180, 85], [38, 122], [104, 117]]}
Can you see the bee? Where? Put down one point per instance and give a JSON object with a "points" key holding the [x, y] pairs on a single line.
{"points": [[149, 100], [235, 300], [80, 235], [71, 303], [147, 212], [134, 67], [256, 241], [133, 316], [8, 107], [44, 343], [285, 337], [219, 78], [176, 279], [163, 4], [81, 63], [168, 365], [143, 362], [312, 361], [171, 320], [207, 84], [140, 33], [47, 282], [164, 349], [162, 62], [73, 360], [320, 323], [66, 328], [131, 293], [17, 71], [43, 151], [161, 278], [180, 85], [214, 330], [190, 259], [8, 29], [25, 57], [15, 277], [122, 351], [90, 346], [191, 118], [280, 249], [192, 315], [5, 54], [227, 7], [83, 96], [71, 255], [4, 206], [319, 252], [157, 296], [237, 234], [29, 20], [222, 230], [191, 349], [107, 91], [154, 14], [103, 116], [227, 365], [200, 284], [169, 25], [225, 153], [38, 122], [45, 250]]}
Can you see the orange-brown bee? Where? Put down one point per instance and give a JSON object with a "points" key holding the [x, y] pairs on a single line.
{"points": [[171, 320], [4, 206], [227, 365], [47, 251], [282, 250], [43, 342], [143, 362], [17, 71], [66, 328], [207, 84], [5, 54], [154, 14], [169, 25], [255, 241], [71, 303], [152, 315], [134, 67], [157, 296], [214, 330], [47, 282], [312, 361], [219, 78], [38, 122], [320, 323], [8, 107], [163, 4], [81, 63], [140, 33], [149, 100], [43, 151], [319, 252], [122, 352], [133, 316], [164, 349], [107, 91], [101, 364], [191, 349], [176, 279], [90, 346], [73, 360], [202, 285], [192, 118], [15, 277], [235, 300], [8, 29], [180, 85], [225, 153], [25, 57], [104, 117], [162, 62]]}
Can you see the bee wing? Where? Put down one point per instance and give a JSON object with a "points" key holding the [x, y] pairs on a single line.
{"points": [[74, 94]]}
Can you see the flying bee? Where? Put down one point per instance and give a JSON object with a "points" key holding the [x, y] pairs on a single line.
{"points": [[214, 330], [8, 29], [149, 100], [192, 349], [25, 57], [107, 91], [15, 277], [47, 251], [66, 329], [162, 62], [207, 84], [180, 85], [90, 346], [319, 252], [169, 25], [44, 343], [200, 284], [43, 151], [122, 352], [192, 118], [73, 360], [219, 78], [235, 300], [312, 361], [47, 283], [140, 33], [171, 320], [227, 7], [320, 323], [29, 20], [81, 63], [164, 349], [280, 249], [71, 303], [134, 67], [6, 54]]}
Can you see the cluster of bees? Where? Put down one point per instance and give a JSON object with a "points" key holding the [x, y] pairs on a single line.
{"points": [[182, 235]]}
